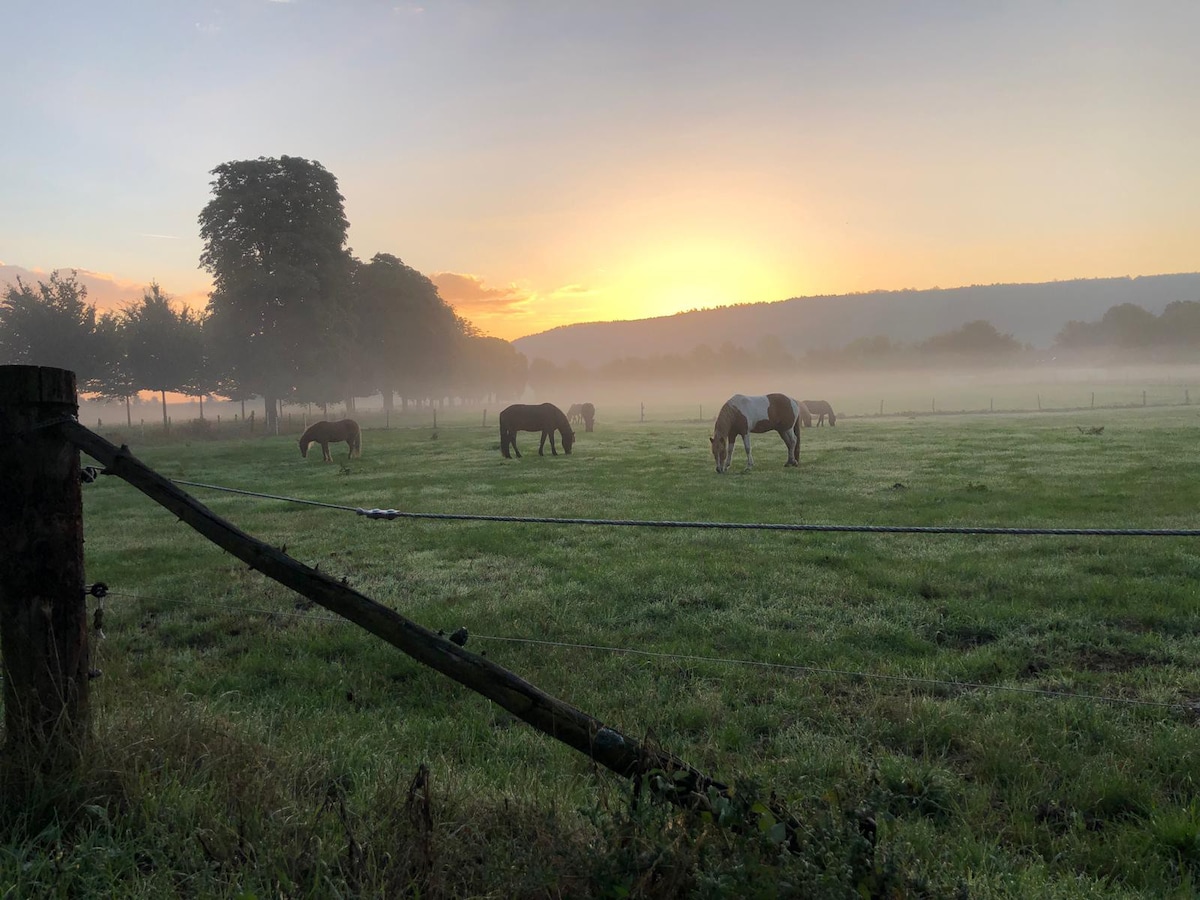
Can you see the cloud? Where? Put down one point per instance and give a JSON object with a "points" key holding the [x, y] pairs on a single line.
{"points": [[104, 291], [468, 292]]}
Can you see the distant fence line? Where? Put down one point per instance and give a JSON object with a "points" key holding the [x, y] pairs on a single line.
{"points": [[465, 415]]}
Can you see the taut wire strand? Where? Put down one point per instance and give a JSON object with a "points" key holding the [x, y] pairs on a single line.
{"points": [[391, 514]]}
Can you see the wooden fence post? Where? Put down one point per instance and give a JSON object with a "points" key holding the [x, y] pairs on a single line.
{"points": [[43, 608]]}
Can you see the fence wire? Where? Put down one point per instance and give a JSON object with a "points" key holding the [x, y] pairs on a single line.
{"points": [[792, 668], [391, 514]]}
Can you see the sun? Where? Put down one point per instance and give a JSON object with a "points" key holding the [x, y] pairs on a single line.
{"points": [[696, 275]]}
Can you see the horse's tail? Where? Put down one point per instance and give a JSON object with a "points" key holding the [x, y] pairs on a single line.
{"points": [[504, 442], [357, 447]]}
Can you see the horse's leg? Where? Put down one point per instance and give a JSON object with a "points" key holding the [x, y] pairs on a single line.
{"points": [[553, 451], [749, 456], [325, 454], [542, 444], [513, 438], [790, 440]]}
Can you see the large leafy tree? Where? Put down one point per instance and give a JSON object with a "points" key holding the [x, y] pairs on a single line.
{"points": [[51, 325], [274, 241], [407, 334]]}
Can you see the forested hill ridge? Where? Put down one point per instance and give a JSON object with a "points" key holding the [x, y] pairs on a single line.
{"points": [[1031, 313]]}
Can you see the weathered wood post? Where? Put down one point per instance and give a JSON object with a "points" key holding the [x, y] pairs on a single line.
{"points": [[43, 609]]}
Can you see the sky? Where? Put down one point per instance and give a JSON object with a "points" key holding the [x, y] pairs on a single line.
{"points": [[547, 162]]}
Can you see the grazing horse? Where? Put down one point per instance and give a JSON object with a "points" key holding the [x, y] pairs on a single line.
{"points": [[742, 416], [587, 412], [324, 433], [821, 409], [543, 417], [805, 414], [575, 413]]}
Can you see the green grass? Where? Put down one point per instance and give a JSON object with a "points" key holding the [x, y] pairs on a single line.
{"points": [[247, 742]]}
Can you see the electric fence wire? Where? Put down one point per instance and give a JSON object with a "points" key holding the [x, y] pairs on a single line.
{"points": [[728, 661], [736, 526]]}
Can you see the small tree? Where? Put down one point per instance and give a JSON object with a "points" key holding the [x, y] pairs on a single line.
{"points": [[50, 325], [162, 345], [115, 381]]}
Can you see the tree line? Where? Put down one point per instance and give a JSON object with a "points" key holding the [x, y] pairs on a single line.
{"points": [[293, 315], [1126, 332]]}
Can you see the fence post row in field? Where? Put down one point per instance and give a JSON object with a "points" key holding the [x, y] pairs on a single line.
{"points": [[43, 608], [682, 784]]}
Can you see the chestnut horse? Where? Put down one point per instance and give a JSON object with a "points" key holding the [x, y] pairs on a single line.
{"points": [[324, 433], [742, 416], [543, 417]]}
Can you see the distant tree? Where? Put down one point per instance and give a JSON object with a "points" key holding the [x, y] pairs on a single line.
{"points": [[1076, 335], [1180, 322], [162, 345], [51, 325], [115, 381], [1126, 326], [489, 369], [274, 241], [977, 340], [544, 376], [1129, 325], [202, 377], [772, 353], [406, 333]]}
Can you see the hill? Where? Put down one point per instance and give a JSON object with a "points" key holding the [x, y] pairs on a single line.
{"points": [[1032, 313]]}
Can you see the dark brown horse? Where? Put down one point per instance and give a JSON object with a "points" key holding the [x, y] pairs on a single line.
{"points": [[821, 409], [325, 433], [588, 413], [543, 417]]}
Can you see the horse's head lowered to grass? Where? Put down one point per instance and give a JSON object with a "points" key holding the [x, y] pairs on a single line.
{"points": [[742, 415]]}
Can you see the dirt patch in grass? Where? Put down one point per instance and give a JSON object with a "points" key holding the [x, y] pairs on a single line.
{"points": [[1112, 659]]}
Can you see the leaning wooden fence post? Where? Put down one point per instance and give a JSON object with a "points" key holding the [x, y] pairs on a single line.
{"points": [[43, 609]]}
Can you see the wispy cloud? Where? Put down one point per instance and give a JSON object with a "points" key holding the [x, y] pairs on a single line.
{"points": [[468, 292], [104, 290]]}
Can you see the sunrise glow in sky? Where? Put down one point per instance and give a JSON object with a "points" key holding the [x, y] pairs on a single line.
{"points": [[557, 161]]}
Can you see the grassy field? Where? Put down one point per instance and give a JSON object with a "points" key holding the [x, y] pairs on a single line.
{"points": [[948, 715]]}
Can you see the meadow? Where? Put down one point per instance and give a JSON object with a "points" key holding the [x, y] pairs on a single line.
{"points": [[946, 715]]}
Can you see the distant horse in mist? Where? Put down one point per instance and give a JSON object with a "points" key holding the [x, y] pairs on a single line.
{"points": [[742, 416], [544, 417], [575, 413], [325, 433], [587, 412], [805, 415], [821, 409]]}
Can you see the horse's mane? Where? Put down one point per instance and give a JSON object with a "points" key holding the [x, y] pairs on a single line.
{"points": [[560, 417], [725, 419]]}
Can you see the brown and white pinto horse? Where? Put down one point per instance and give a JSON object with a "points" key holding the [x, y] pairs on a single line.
{"points": [[742, 416], [324, 433]]}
